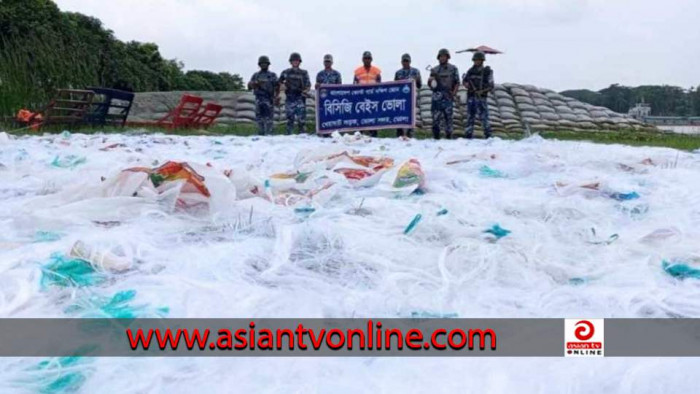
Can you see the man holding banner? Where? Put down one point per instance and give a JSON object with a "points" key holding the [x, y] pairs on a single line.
{"points": [[367, 74], [407, 73]]}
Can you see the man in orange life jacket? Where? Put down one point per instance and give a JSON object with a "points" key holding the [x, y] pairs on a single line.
{"points": [[367, 74]]}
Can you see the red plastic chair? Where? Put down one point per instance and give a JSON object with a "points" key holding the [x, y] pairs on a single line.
{"points": [[207, 116], [182, 115], [179, 117]]}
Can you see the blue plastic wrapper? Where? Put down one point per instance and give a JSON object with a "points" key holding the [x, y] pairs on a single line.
{"points": [[680, 270], [498, 231]]}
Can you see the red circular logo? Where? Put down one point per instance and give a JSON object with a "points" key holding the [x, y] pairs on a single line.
{"points": [[584, 332]]}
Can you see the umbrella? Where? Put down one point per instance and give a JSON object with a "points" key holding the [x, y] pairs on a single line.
{"points": [[482, 48]]}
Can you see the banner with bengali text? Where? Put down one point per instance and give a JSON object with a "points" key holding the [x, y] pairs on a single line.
{"points": [[388, 105]]}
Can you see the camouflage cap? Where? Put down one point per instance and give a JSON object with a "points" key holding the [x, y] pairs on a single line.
{"points": [[367, 55], [406, 56], [328, 58]]}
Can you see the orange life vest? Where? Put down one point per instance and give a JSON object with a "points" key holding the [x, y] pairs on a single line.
{"points": [[364, 76]]}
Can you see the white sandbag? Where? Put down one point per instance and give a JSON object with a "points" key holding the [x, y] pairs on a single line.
{"points": [[519, 92], [599, 115], [506, 103], [527, 107], [524, 100], [569, 117], [245, 115], [530, 114], [243, 106]]}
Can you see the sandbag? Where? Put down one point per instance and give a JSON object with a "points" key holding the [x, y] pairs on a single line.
{"points": [[516, 91], [577, 105], [245, 115], [524, 100], [587, 125], [502, 94], [246, 98], [244, 121], [529, 114], [561, 109], [539, 126], [511, 121], [507, 109], [542, 102], [566, 123], [569, 117], [506, 103], [244, 106], [538, 96], [527, 107]]}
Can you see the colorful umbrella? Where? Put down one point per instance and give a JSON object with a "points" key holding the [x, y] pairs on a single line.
{"points": [[482, 48]]}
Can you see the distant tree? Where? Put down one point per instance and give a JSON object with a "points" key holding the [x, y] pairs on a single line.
{"points": [[664, 100], [43, 49]]}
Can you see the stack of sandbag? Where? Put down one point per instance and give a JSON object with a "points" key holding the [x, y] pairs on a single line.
{"points": [[509, 116], [243, 110], [527, 108], [495, 115], [460, 110], [425, 96], [151, 106]]}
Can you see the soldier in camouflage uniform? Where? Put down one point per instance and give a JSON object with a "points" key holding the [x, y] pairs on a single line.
{"points": [[479, 82], [444, 82], [328, 76], [265, 87], [405, 73], [297, 85]]}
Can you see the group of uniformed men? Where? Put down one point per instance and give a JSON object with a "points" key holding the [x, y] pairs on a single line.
{"points": [[444, 82]]}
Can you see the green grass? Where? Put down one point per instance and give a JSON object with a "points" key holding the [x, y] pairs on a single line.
{"points": [[634, 138]]}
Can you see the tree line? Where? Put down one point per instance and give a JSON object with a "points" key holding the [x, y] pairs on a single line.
{"points": [[43, 49], [664, 100]]}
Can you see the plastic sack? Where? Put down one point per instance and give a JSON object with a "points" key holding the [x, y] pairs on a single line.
{"points": [[103, 260], [403, 180], [65, 272], [680, 270], [69, 162]]}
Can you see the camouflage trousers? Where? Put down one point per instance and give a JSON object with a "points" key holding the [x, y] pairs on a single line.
{"points": [[442, 110], [264, 115], [295, 110], [478, 106]]}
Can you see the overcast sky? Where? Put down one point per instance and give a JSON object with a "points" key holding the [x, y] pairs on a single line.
{"points": [[562, 44]]}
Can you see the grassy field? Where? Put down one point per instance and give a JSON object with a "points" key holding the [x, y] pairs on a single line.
{"points": [[635, 138]]}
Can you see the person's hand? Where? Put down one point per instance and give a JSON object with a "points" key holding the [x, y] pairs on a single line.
{"points": [[432, 82], [277, 100]]}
